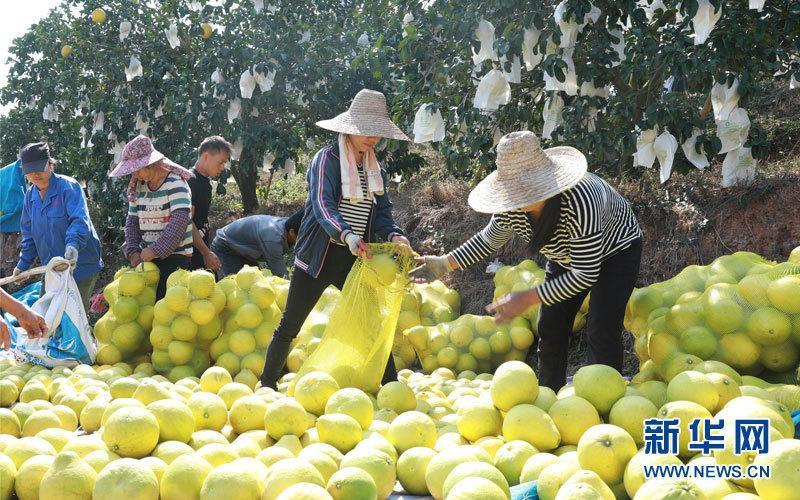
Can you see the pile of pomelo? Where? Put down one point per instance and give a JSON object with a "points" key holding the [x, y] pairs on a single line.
{"points": [[116, 431], [741, 310], [437, 303], [426, 305], [122, 332], [185, 323], [524, 276], [249, 318], [470, 343]]}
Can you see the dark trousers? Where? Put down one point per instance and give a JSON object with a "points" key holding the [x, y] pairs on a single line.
{"points": [[304, 291], [167, 266], [230, 260], [610, 295]]}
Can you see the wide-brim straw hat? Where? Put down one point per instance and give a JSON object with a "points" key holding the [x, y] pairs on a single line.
{"points": [[136, 155], [367, 116], [526, 174]]}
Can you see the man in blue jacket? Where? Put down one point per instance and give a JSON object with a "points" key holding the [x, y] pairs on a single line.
{"points": [[55, 221], [12, 187]]}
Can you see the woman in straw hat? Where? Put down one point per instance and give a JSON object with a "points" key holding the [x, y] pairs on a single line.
{"points": [[587, 231], [158, 227], [347, 205]]}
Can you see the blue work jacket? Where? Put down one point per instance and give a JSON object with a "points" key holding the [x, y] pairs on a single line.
{"points": [[59, 220], [12, 192]]}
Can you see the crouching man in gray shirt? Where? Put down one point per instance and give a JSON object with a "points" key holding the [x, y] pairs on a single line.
{"points": [[256, 238]]}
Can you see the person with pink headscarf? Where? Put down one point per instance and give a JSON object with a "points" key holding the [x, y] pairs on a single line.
{"points": [[158, 227]]}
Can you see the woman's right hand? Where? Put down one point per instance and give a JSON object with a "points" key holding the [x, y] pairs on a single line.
{"points": [[32, 323], [135, 259], [431, 268]]}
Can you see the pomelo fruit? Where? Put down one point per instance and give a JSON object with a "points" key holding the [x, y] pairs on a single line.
{"points": [[353, 483], [783, 460], [514, 383], [693, 386], [475, 469], [132, 432], [411, 468], [377, 464], [126, 478], [510, 459], [573, 416], [606, 450], [68, 477], [314, 389], [784, 294], [412, 429], [476, 487], [629, 414], [601, 385], [532, 424]]}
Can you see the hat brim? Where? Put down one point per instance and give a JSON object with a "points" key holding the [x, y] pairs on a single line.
{"points": [[366, 125], [31, 167], [127, 167], [496, 195]]}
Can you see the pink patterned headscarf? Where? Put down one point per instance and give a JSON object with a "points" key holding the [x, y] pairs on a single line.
{"points": [[140, 153]]}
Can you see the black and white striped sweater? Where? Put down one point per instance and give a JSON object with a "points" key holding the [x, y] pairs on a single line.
{"points": [[595, 222]]}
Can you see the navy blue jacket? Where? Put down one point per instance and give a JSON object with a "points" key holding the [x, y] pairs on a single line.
{"points": [[323, 224]]}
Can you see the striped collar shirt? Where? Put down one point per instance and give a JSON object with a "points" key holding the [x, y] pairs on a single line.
{"points": [[595, 223]]}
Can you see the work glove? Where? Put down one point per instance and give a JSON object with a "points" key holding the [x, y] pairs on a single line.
{"points": [[16, 272], [432, 267], [71, 254], [356, 244], [403, 245]]}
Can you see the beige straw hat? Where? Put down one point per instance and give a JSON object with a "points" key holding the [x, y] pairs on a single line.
{"points": [[367, 116], [526, 174]]}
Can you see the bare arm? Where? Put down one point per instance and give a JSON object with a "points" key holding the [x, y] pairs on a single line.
{"points": [[28, 320]]}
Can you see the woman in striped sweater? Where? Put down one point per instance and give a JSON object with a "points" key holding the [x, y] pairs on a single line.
{"points": [[585, 229], [347, 205], [158, 226]]}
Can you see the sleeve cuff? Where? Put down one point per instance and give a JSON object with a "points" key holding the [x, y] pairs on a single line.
{"points": [[544, 294], [460, 263]]}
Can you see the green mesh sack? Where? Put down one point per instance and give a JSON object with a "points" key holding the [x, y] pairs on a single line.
{"points": [[357, 340]]}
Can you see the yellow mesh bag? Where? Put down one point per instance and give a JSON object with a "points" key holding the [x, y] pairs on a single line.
{"points": [[357, 340], [740, 310]]}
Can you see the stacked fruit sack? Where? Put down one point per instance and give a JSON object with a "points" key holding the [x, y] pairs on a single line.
{"points": [[437, 303], [122, 332], [741, 310], [427, 305], [470, 343], [248, 319], [524, 276], [185, 323], [114, 431]]}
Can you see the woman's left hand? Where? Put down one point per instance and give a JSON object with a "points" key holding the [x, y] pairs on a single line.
{"points": [[148, 255], [512, 305]]}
